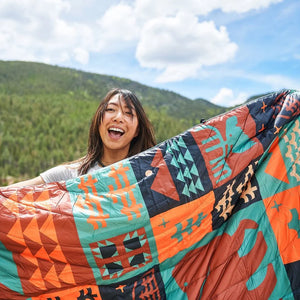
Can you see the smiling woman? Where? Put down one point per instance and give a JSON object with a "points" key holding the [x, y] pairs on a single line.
{"points": [[119, 129]]}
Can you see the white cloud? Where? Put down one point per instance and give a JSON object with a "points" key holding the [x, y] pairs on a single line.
{"points": [[167, 35], [31, 30], [117, 26], [81, 55], [226, 97], [181, 45], [276, 81], [155, 8], [245, 6]]}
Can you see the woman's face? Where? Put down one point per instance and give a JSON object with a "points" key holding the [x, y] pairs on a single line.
{"points": [[119, 125]]}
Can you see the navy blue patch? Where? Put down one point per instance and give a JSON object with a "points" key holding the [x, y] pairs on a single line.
{"points": [[272, 112], [235, 195], [293, 273], [148, 285], [171, 175]]}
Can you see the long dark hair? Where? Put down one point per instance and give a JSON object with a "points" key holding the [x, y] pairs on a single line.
{"points": [[143, 141]]}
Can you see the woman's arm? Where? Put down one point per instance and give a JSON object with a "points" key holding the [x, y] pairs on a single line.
{"points": [[34, 181], [58, 173]]}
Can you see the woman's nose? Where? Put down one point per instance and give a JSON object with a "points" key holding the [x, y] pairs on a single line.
{"points": [[119, 115]]}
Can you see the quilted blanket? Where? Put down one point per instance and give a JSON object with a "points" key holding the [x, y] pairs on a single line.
{"points": [[212, 213]]}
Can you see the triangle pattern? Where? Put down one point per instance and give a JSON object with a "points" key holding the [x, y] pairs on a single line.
{"points": [[181, 142], [192, 188], [199, 184], [188, 156], [102, 243], [32, 231], [163, 175], [96, 251], [48, 229], [52, 278], [15, 233], [128, 236], [174, 146], [186, 191], [28, 197], [180, 176], [181, 159], [42, 200], [104, 272], [12, 206], [67, 275], [42, 254], [44, 195], [174, 162], [28, 201], [57, 254], [29, 256], [168, 149], [36, 280], [187, 173], [194, 170]]}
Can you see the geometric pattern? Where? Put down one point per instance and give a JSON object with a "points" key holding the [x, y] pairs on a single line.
{"points": [[175, 230], [187, 171], [211, 213], [292, 142], [228, 146], [235, 141], [85, 292], [148, 285], [38, 242], [235, 195], [188, 229], [122, 254], [50, 266], [202, 278], [176, 174]]}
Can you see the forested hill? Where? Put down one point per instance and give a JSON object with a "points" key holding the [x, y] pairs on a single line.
{"points": [[27, 78], [46, 110]]}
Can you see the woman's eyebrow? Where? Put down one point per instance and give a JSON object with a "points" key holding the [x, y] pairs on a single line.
{"points": [[129, 106], [112, 103], [126, 106]]}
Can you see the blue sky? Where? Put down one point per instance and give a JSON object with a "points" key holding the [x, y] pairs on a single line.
{"points": [[222, 51]]}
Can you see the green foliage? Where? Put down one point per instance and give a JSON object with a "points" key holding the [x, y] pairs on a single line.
{"points": [[37, 133], [46, 111]]}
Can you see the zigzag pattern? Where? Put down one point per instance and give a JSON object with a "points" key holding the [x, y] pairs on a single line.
{"points": [[47, 267]]}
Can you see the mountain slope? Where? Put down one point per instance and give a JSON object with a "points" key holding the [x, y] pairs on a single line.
{"points": [[27, 78], [46, 111]]}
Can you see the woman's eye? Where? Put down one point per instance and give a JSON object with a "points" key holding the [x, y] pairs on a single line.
{"points": [[110, 109], [129, 113]]}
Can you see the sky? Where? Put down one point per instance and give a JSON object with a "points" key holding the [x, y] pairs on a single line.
{"points": [[222, 51]]}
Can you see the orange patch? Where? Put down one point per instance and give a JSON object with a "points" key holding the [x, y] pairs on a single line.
{"points": [[83, 292], [283, 210], [276, 166], [179, 228]]}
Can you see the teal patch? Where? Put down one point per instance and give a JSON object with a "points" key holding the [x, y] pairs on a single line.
{"points": [[8, 271], [107, 205], [289, 143]]}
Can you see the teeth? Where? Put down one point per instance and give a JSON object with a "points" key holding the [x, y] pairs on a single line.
{"points": [[116, 129]]}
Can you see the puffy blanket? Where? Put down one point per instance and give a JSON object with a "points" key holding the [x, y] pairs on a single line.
{"points": [[212, 213]]}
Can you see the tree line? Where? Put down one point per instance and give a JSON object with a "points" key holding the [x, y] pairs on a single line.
{"points": [[39, 132]]}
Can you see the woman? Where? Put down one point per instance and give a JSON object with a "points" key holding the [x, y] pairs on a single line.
{"points": [[119, 129]]}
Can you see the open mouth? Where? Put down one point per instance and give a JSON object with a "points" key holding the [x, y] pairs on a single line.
{"points": [[115, 132]]}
